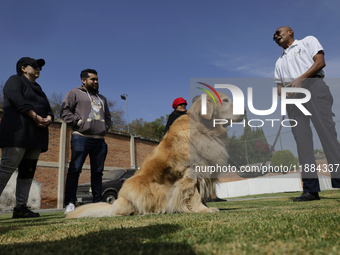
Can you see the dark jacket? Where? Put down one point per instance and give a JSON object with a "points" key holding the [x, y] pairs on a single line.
{"points": [[16, 128], [87, 116], [172, 117]]}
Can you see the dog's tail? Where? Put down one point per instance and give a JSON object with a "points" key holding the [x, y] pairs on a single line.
{"points": [[120, 207], [94, 210]]}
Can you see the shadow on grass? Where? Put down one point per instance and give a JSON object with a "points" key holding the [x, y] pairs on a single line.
{"points": [[17, 224], [142, 240], [228, 209], [330, 198], [43, 217], [321, 198]]}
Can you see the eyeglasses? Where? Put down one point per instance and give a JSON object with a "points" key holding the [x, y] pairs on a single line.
{"points": [[35, 66], [277, 33]]}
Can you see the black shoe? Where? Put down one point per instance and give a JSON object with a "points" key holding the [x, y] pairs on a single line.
{"points": [[23, 212], [217, 199], [307, 196]]}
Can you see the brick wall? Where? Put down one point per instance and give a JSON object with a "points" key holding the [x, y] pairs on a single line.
{"points": [[48, 177], [143, 148], [47, 172], [52, 155], [118, 150]]}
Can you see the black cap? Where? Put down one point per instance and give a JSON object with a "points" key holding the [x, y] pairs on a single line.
{"points": [[27, 61]]}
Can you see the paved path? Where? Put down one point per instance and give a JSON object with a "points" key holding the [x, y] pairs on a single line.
{"points": [[251, 198], [38, 211], [61, 210]]}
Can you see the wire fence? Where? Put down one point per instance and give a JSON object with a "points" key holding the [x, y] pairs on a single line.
{"points": [[270, 136]]}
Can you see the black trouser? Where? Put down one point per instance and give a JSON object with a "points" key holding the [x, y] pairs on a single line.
{"points": [[320, 106]]}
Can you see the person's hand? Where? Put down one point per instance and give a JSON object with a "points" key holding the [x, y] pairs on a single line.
{"points": [[42, 122], [47, 121], [295, 84]]}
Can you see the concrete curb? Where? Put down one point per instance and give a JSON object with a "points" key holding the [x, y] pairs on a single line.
{"points": [[228, 199], [37, 211]]}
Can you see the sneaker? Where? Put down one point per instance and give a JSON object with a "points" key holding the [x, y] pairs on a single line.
{"points": [[22, 211], [69, 208]]}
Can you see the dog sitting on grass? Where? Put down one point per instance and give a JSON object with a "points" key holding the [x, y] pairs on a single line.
{"points": [[165, 183]]}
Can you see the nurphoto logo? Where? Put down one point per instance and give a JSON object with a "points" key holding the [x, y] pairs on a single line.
{"points": [[238, 102]]}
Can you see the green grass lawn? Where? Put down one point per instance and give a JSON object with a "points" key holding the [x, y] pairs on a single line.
{"points": [[261, 226]]}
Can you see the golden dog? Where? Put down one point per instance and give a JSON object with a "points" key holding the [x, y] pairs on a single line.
{"points": [[163, 184]]}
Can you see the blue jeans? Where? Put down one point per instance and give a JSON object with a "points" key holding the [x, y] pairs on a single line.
{"points": [[81, 147]]}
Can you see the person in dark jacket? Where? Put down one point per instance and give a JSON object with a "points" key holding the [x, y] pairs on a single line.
{"points": [[23, 130], [89, 114], [180, 106]]}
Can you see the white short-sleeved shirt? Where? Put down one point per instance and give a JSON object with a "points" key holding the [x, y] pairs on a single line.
{"points": [[297, 59]]}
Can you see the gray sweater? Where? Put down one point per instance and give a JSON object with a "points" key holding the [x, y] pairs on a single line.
{"points": [[88, 113]]}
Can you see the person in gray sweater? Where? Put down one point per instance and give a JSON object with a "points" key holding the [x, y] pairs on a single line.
{"points": [[89, 114]]}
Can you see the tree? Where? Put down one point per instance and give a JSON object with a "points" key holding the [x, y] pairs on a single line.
{"points": [[158, 127], [248, 135], [2, 94], [117, 116], [236, 151], [260, 151], [55, 102], [284, 158], [141, 127], [118, 122], [254, 141], [154, 129], [248, 132]]}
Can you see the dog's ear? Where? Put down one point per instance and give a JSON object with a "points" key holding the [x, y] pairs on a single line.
{"points": [[210, 110], [195, 110]]}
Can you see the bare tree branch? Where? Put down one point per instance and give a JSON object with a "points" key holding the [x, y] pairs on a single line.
{"points": [[2, 94], [117, 114], [55, 102]]}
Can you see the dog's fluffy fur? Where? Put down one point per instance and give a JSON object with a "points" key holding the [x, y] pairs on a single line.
{"points": [[163, 183]]}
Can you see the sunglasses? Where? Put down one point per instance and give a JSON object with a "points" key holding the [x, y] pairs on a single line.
{"points": [[277, 33], [36, 66]]}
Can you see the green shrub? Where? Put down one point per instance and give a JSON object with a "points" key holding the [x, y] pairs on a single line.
{"points": [[284, 158]]}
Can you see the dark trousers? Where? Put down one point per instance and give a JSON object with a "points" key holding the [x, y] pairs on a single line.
{"points": [[320, 106], [81, 147]]}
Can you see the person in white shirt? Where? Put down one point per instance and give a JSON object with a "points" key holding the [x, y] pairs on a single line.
{"points": [[301, 66]]}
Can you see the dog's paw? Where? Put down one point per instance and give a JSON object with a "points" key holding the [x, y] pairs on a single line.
{"points": [[208, 209], [212, 209]]}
